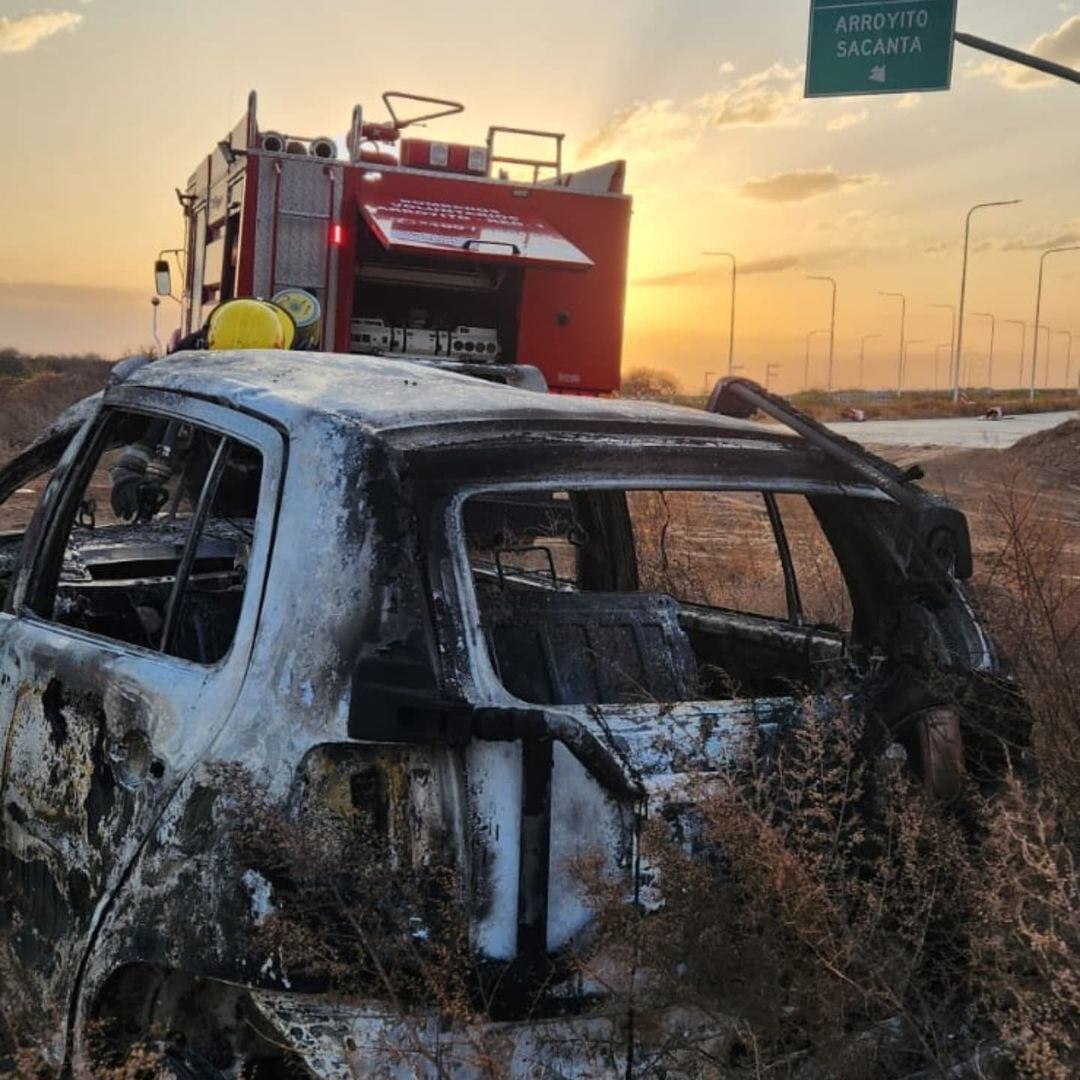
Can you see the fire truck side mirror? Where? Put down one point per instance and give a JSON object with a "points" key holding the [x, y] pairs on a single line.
{"points": [[162, 278]]}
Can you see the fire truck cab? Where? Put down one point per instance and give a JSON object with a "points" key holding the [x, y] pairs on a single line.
{"points": [[416, 248]]}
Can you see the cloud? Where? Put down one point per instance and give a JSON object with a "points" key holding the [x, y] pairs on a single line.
{"points": [[769, 98], [800, 184], [718, 271], [908, 101], [848, 120], [1066, 236], [1061, 45], [847, 221], [643, 129], [23, 32]]}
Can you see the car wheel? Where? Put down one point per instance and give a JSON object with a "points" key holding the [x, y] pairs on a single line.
{"points": [[939, 751], [908, 713]]}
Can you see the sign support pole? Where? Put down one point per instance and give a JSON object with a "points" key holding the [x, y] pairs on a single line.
{"points": [[1047, 67]]}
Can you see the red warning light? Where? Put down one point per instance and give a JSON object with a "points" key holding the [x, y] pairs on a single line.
{"points": [[337, 234]]}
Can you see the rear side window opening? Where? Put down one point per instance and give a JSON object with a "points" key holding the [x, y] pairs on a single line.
{"points": [[612, 596]]}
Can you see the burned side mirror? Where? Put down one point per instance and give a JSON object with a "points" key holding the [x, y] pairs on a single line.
{"points": [[162, 278], [944, 531]]}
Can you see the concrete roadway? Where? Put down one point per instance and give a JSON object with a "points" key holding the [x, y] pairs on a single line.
{"points": [[969, 433]]}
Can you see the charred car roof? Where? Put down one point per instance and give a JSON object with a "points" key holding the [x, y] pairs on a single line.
{"points": [[390, 397], [457, 428]]}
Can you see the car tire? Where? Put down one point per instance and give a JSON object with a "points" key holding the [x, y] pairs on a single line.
{"points": [[905, 711]]}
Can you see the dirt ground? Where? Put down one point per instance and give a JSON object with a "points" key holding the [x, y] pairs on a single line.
{"points": [[985, 483]]}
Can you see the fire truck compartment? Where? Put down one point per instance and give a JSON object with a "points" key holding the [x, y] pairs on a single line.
{"points": [[443, 279], [434, 227]]}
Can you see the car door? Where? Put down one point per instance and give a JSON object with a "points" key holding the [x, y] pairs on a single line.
{"points": [[99, 719]]}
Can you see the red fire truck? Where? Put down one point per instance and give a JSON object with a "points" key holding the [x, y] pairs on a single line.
{"points": [[417, 248]]}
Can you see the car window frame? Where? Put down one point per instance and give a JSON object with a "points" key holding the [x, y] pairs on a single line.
{"points": [[31, 583], [466, 649]]}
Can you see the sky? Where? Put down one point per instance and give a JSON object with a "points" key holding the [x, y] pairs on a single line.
{"points": [[111, 104]]}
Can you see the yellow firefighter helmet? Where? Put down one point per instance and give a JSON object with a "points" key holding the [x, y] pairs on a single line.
{"points": [[288, 325], [245, 324]]}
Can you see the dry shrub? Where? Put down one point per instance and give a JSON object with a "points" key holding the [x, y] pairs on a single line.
{"points": [[356, 910], [815, 903], [1027, 948], [653, 384], [22, 1054], [715, 547], [27, 406], [842, 924], [350, 908], [1029, 587]]}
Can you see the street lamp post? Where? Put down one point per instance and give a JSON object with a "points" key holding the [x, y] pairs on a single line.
{"points": [[1046, 366], [731, 327], [832, 327], [990, 364], [903, 323], [862, 355], [1038, 306], [770, 371], [1023, 348], [806, 364], [907, 350], [963, 291], [951, 308], [1068, 366], [1068, 374]]}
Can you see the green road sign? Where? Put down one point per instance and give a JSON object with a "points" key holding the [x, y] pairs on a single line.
{"points": [[879, 46]]}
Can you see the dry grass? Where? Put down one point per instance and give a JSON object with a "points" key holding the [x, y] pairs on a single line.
{"points": [[34, 390], [918, 405], [847, 927]]}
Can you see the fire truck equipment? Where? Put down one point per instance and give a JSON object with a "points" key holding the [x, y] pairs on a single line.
{"points": [[506, 271], [306, 314], [244, 324], [474, 343], [324, 147]]}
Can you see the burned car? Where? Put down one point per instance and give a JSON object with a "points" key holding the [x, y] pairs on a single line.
{"points": [[493, 630]]}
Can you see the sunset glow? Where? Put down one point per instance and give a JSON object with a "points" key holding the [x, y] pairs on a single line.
{"points": [[111, 105]]}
